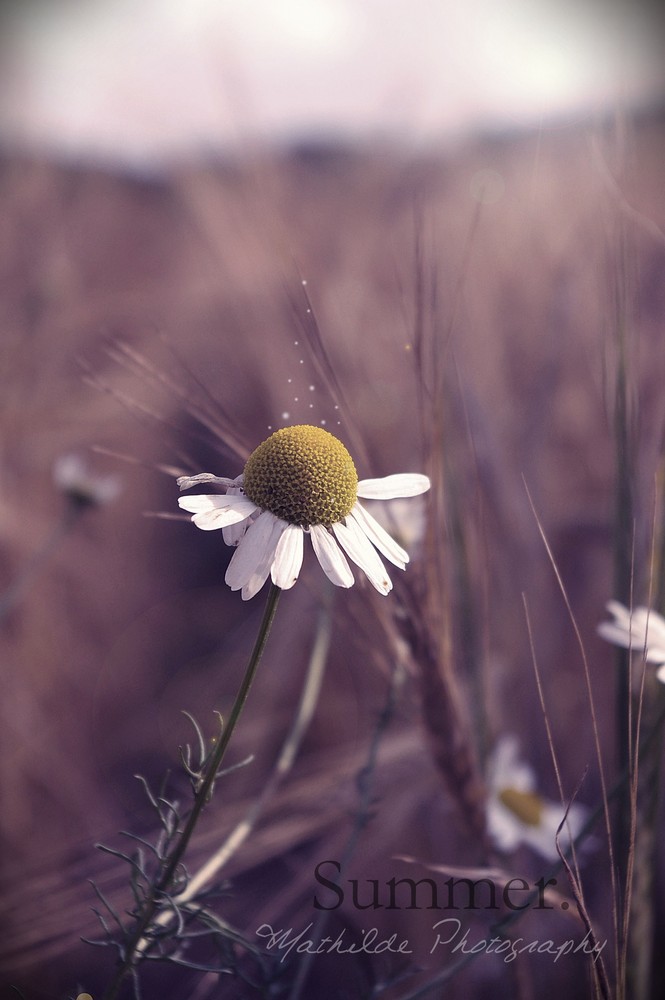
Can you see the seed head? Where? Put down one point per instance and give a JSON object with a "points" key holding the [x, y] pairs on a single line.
{"points": [[302, 475]]}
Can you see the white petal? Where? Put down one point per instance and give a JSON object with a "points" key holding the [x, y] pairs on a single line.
{"points": [[503, 826], [507, 769], [186, 482], [619, 611], [634, 641], [330, 556], [542, 838], [251, 562], [232, 533], [408, 484], [638, 622], [288, 557], [201, 503], [651, 622], [212, 512], [660, 674], [614, 633], [196, 504], [656, 654], [642, 620], [379, 537], [358, 546]]}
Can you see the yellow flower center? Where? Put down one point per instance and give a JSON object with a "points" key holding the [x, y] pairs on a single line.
{"points": [[527, 806], [303, 475]]}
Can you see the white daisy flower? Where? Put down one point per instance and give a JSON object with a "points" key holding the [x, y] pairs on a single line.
{"points": [[300, 481], [640, 630], [518, 814]]}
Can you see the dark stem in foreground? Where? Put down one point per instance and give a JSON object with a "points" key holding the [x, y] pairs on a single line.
{"points": [[200, 799]]}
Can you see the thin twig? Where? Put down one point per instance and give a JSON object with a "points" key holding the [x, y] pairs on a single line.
{"points": [[592, 709]]}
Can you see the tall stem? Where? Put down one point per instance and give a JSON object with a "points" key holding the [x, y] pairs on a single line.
{"points": [[200, 799]]}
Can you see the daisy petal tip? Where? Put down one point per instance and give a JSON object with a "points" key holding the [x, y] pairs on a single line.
{"points": [[186, 482]]}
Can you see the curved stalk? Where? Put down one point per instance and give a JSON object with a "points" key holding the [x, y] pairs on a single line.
{"points": [[136, 942]]}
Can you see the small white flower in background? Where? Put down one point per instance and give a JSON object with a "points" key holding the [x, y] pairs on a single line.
{"points": [[517, 814], [300, 481], [640, 630], [72, 476]]}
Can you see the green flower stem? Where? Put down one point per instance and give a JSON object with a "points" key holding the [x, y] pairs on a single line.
{"points": [[201, 798]]}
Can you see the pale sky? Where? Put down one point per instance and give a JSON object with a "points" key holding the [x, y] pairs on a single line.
{"points": [[152, 80]]}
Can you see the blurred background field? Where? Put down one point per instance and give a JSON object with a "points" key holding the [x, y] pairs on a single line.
{"points": [[133, 297]]}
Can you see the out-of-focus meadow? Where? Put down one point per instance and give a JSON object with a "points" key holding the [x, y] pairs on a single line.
{"points": [[525, 264]]}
